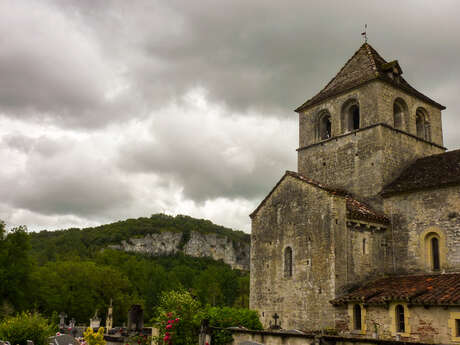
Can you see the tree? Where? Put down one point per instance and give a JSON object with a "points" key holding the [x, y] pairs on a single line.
{"points": [[15, 267], [67, 286]]}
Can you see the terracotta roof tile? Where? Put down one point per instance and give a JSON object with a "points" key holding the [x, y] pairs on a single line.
{"points": [[359, 210], [428, 172], [365, 65], [440, 289]]}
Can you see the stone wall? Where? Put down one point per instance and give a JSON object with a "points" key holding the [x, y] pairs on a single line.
{"points": [[307, 219], [426, 324], [235, 253], [295, 337], [363, 161], [376, 100], [358, 261], [419, 213], [387, 96]]}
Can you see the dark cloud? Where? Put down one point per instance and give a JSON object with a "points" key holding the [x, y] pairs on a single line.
{"points": [[57, 177], [211, 154], [185, 105]]}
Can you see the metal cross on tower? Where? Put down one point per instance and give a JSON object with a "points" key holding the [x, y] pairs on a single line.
{"points": [[364, 33]]}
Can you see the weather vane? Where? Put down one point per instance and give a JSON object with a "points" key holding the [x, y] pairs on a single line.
{"points": [[364, 33]]}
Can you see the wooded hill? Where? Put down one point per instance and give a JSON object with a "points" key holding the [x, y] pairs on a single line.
{"points": [[73, 271], [50, 245]]}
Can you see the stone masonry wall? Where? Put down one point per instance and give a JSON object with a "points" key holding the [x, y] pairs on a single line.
{"points": [[363, 262], [387, 96], [425, 324], [234, 253], [376, 100], [307, 219], [364, 161], [415, 215]]}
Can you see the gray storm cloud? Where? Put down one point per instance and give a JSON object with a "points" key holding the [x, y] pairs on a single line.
{"points": [[185, 105]]}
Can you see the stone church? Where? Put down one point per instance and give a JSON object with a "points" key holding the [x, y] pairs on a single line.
{"points": [[364, 240]]}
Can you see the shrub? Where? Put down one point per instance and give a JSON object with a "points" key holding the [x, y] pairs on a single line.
{"points": [[229, 317], [26, 326], [177, 318], [92, 338]]}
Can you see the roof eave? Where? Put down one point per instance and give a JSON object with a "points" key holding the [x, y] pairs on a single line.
{"points": [[307, 105]]}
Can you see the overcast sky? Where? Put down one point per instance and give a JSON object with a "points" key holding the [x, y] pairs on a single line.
{"points": [[119, 109]]}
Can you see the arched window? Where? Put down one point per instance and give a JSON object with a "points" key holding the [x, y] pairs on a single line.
{"points": [[350, 116], [422, 124], [324, 126], [288, 262], [399, 113], [435, 254], [357, 317], [399, 317], [419, 124]]}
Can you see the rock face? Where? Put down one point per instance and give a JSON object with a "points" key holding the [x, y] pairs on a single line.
{"points": [[218, 247]]}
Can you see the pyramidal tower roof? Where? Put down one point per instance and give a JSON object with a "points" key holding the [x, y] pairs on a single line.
{"points": [[365, 65]]}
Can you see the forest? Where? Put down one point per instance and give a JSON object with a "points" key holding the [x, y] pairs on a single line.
{"points": [[72, 271]]}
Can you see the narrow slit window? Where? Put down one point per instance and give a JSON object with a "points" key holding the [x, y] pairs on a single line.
{"points": [[400, 322], [357, 317], [435, 254], [288, 262], [354, 110], [457, 327]]}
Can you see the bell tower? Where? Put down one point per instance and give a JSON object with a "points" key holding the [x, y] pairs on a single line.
{"points": [[365, 126]]}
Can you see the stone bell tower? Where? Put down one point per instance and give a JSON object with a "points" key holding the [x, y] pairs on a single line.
{"points": [[365, 126]]}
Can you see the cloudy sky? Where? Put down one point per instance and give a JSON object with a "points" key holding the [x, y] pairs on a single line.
{"points": [[117, 109]]}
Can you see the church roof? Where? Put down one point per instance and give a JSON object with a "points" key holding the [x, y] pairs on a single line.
{"points": [[433, 171], [355, 208], [364, 66], [432, 289]]}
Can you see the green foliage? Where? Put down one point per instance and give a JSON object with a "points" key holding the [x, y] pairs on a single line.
{"points": [[70, 243], [180, 315], [229, 317], [26, 326], [94, 338], [177, 318], [79, 288], [70, 271], [15, 268]]}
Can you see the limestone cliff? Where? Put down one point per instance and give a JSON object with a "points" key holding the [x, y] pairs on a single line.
{"points": [[193, 243]]}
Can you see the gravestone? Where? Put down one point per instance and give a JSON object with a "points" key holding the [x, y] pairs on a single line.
{"points": [[62, 317], [135, 318], [95, 321]]}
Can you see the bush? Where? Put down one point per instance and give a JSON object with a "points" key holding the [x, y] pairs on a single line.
{"points": [[177, 318], [229, 317], [26, 326], [92, 338]]}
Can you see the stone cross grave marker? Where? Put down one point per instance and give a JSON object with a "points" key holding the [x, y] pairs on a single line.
{"points": [[62, 317]]}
